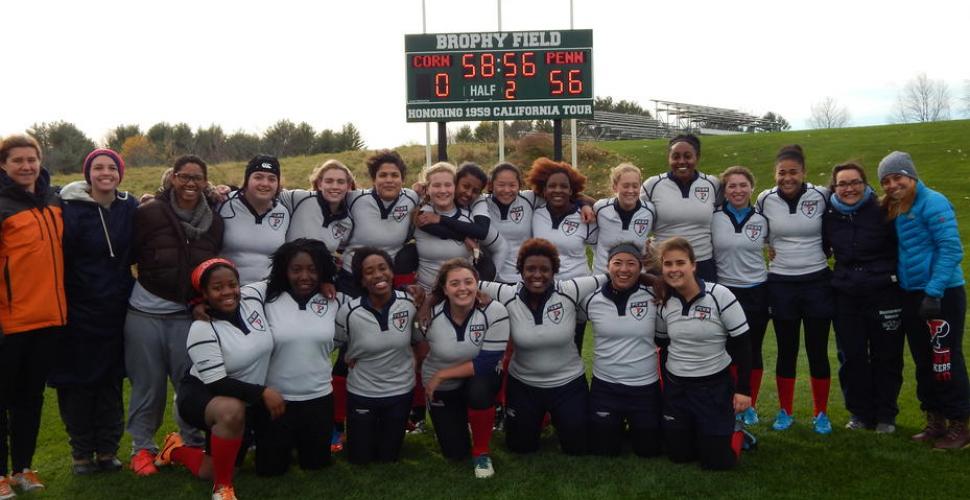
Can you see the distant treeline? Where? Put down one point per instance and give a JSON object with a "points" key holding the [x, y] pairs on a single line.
{"points": [[65, 145]]}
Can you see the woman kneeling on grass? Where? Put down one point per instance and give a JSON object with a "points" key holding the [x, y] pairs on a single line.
{"points": [[230, 356], [461, 375], [702, 328]]}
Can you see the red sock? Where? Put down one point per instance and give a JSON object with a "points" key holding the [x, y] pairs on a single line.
{"points": [[820, 394], [224, 453], [339, 399], [737, 442], [190, 457], [756, 374], [481, 423], [786, 393]]}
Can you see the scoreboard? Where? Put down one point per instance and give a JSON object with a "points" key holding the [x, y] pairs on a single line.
{"points": [[514, 75]]}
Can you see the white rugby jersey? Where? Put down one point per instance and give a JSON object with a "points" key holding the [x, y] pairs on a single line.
{"points": [[379, 342], [544, 353], [434, 251], [485, 329], [310, 217], [698, 330], [684, 212], [624, 351], [303, 334], [570, 235], [796, 229], [739, 248], [377, 223], [220, 349], [514, 223], [249, 238], [616, 225]]}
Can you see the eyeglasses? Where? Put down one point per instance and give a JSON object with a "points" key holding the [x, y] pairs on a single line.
{"points": [[186, 178], [848, 184]]}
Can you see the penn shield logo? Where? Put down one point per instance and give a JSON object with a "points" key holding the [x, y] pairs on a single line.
{"points": [[555, 312], [569, 227], [640, 226], [809, 208], [339, 230], [702, 193], [399, 213], [276, 220], [702, 312], [256, 321], [319, 306], [400, 320], [515, 214], [753, 231], [639, 309], [476, 333], [942, 362]]}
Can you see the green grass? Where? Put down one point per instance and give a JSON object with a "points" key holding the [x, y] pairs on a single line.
{"points": [[793, 464]]}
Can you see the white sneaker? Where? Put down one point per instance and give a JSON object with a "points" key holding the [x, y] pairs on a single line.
{"points": [[6, 490], [224, 493], [483, 467], [27, 480]]}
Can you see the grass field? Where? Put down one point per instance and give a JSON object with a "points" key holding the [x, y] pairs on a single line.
{"points": [[793, 464]]}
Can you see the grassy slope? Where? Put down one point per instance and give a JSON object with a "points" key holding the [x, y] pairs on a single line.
{"points": [[795, 464]]}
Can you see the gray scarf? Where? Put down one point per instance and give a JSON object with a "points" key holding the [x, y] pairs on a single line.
{"points": [[194, 222]]}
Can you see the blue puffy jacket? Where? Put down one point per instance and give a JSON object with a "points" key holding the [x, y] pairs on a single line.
{"points": [[929, 244]]}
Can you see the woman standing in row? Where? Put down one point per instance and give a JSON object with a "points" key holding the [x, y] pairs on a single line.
{"points": [[322, 213], [622, 218]]}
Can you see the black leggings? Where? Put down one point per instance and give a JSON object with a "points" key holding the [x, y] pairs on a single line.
{"points": [[816, 346]]}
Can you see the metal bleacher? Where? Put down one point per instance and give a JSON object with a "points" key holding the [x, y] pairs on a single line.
{"points": [[708, 119], [609, 126]]}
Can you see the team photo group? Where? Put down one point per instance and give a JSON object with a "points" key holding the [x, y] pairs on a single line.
{"points": [[297, 325]]}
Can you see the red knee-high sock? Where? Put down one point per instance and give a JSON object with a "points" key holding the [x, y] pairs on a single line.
{"points": [[737, 443], [820, 394], [190, 457], [756, 374], [224, 453], [339, 399], [481, 423], [786, 393]]}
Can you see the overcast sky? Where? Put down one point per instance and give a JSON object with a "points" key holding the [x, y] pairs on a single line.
{"points": [[246, 64]]}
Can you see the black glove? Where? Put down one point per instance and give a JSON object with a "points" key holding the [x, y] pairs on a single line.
{"points": [[930, 308]]}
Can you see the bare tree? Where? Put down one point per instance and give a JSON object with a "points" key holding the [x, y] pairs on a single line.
{"points": [[923, 100], [827, 113]]}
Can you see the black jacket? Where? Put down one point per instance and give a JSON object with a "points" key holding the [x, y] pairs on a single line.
{"points": [[864, 247]]}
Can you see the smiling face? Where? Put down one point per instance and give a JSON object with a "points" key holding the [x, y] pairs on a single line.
{"points": [[104, 174], [461, 287], [188, 184], [627, 189], [221, 292], [302, 275], [377, 277], [898, 186], [737, 190], [789, 176], [558, 192], [388, 181], [333, 185], [262, 187], [624, 269], [468, 190], [23, 167], [682, 160], [441, 191], [678, 270], [537, 273], [849, 186], [505, 187]]}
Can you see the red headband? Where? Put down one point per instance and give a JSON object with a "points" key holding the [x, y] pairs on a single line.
{"points": [[203, 267]]}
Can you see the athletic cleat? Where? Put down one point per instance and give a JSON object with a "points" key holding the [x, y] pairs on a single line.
{"points": [[749, 442], [483, 467], [85, 468], [822, 423], [415, 427], [499, 419], [856, 424], [224, 493], [750, 416], [172, 440], [143, 463], [884, 428], [110, 464], [783, 421], [6, 490], [336, 441], [27, 481]]}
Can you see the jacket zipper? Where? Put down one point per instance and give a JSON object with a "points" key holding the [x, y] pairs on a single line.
{"points": [[47, 222], [6, 278]]}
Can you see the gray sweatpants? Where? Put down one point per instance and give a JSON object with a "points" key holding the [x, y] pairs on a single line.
{"points": [[155, 350]]}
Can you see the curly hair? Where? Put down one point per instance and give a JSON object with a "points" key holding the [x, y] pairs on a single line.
{"points": [[537, 246], [438, 290], [383, 156], [357, 264], [278, 281], [543, 168], [472, 169]]}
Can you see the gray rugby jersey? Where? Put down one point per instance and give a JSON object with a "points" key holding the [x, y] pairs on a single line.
{"points": [[796, 230], [545, 355], [616, 225], [311, 218], [377, 223], [570, 236], [302, 342], [250, 239], [624, 351], [698, 330], [494, 242], [218, 349], [485, 329], [434, 251], [739, 248], [380, 343], [514, 224], [683, 212]]}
